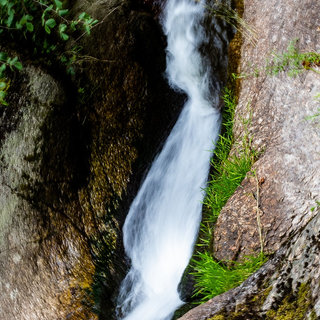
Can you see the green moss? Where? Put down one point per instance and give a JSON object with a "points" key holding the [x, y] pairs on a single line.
{"points": [[234, 54], [313, 315], [294, 306], [218, 317]]}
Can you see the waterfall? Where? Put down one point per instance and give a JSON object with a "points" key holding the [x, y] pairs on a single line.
{"points": [[163, 220]]}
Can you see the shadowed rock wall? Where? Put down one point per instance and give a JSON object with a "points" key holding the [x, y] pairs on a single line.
{"points": [[70, 164]]}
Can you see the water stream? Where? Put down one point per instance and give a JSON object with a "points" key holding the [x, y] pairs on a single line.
{"points": [[163, 221]]}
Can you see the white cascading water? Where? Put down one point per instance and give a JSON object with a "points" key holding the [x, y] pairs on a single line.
{"points": [[163, 221]]}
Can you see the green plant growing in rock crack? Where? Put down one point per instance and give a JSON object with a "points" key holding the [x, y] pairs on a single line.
{"points": [[46, 24], [292, 61], [215, 277], [316, 206]]}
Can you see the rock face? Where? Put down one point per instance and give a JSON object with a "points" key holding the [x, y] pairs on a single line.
{"points": [[70, 164], [278, 108], [286, 287], [275, 111]]}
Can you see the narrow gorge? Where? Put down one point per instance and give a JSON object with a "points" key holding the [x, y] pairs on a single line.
{"points": [[163, 221], [109, 114]]}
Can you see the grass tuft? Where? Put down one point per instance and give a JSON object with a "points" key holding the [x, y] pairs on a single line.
{"points": [[293, 61], [228, 170], [214, 277]]}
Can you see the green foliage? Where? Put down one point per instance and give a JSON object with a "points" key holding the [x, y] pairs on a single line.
{"points": [[293, 61], [315, 207], [4, 85], [213, 278], [228, 170], [315, 116], [28, 15], [12, 64], [39, 24]]}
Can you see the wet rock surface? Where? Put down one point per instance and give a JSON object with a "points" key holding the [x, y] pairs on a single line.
{"points": [[71, 163]]}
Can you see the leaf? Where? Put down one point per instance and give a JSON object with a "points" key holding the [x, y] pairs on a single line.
{"points": [[3, 85], [63, 59], [18, 25], [70, 70], [83, 15], [64, 36], [63, 12], [10, 18], [3, 56], [29, 26], [73, 25], [25, 19], [47, 29], [2, 68], [58, 4], [62, 27], [43, 17], [87, 29], [51, 23], [18, 65], [2, 95]]}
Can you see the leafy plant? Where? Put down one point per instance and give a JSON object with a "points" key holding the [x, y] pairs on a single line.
{"points": [[6, 62], [228, 170], [317, 206], [42, 23], [28, 15], [4, 84], [293, 61], [315, 116]]}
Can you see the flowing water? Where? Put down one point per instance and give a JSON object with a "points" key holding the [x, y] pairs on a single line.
{"points": [[163, 221]]}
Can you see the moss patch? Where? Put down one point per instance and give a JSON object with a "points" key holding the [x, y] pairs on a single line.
{"points": [[234, 54], [218, 317], [294, 306]]}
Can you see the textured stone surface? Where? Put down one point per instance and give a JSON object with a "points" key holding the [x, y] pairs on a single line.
{"points": [[287, 175], [296, 264], [278, 108], [70, 165]]}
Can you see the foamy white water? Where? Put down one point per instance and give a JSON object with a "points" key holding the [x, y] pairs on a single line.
{"points": [[163, 221]]}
